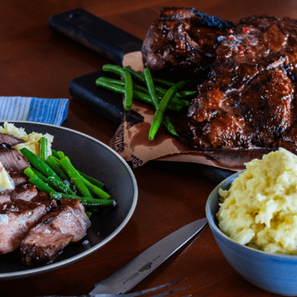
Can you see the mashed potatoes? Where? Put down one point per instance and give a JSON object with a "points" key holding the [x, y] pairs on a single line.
{"points": [[260, 208], [31, 140]]}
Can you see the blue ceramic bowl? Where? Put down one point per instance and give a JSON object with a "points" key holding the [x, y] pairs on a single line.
{"points": [[275, 273]]}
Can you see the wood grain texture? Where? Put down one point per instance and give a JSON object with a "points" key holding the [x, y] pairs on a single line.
{"points": [[36, 62]]}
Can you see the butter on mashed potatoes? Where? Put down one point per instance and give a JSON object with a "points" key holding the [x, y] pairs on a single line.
{"points": [[260, 207], [31, 141]]}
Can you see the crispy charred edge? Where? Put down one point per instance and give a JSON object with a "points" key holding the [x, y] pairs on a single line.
{"points": [[203, 19]]}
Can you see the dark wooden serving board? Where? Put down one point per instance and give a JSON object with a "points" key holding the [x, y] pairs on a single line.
{"points": [[112, 43]]}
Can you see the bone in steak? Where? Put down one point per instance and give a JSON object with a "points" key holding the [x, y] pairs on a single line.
{"points": [[248, 97], [64, 224]]}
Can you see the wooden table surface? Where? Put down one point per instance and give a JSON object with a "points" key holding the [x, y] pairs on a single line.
{"points": [[36, 62]]}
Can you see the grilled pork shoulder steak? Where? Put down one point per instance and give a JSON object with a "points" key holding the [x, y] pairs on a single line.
{"points": [[64, 224], [183, 41], [247, 99]]}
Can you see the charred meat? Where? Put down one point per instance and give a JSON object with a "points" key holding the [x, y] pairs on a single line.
{"points": [[183, 41], [247, 98]]}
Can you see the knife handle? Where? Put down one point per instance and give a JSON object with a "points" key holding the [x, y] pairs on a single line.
{"points": [[104, 38]]}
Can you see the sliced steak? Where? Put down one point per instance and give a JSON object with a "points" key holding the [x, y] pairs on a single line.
{"points": [[12, 160], [64, 224], [18, 217], [9, 139], [25, 191], [4, 198], [182, 43]]}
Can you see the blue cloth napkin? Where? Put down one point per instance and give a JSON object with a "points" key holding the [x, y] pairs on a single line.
{"points": [[41, 110]]}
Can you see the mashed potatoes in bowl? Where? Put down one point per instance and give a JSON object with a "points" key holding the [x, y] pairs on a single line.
{"points": [[253, 217], [260, 207]]}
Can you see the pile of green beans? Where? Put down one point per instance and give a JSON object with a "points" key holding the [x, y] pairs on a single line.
{"points": [[162, 94], [55, 175]]}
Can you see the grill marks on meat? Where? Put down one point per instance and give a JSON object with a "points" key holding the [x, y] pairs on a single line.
{"points": [[245, 74], [64, 224], [17, 217], [248, 99], [184, 41]]}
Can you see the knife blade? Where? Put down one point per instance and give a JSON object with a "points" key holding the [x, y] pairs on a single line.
{"points": [[132, 273]]}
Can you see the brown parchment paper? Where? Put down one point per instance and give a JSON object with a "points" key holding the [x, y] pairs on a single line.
{"points": [[132, 143]]}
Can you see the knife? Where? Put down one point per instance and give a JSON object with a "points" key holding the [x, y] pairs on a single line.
{"points": [[132, 273]]}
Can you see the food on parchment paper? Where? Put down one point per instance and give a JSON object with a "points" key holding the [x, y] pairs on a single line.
{"points": [[44, 196], [259, 209], [162, 94], [247, 99]]}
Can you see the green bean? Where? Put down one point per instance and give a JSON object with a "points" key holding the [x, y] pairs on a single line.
{"points": [[84, 200], [29, 172], [38, 173], [135, 74], [159, 114], [95, 190], [161, 91], [150, 85], [58, 185], [183, 94], [91, 187], [38, 163], [40, 184], [169, 83], [141, 78], [56, 155], [121, 83], [75, 177], [43, 148], [128, 83], [55, 165], [145, 97], [92, 180]]}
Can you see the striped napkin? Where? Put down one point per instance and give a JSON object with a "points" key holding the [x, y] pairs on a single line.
{"points": [[48, 111]]}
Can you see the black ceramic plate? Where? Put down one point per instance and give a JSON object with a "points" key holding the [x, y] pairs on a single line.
{"points": [[95, 159]]}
